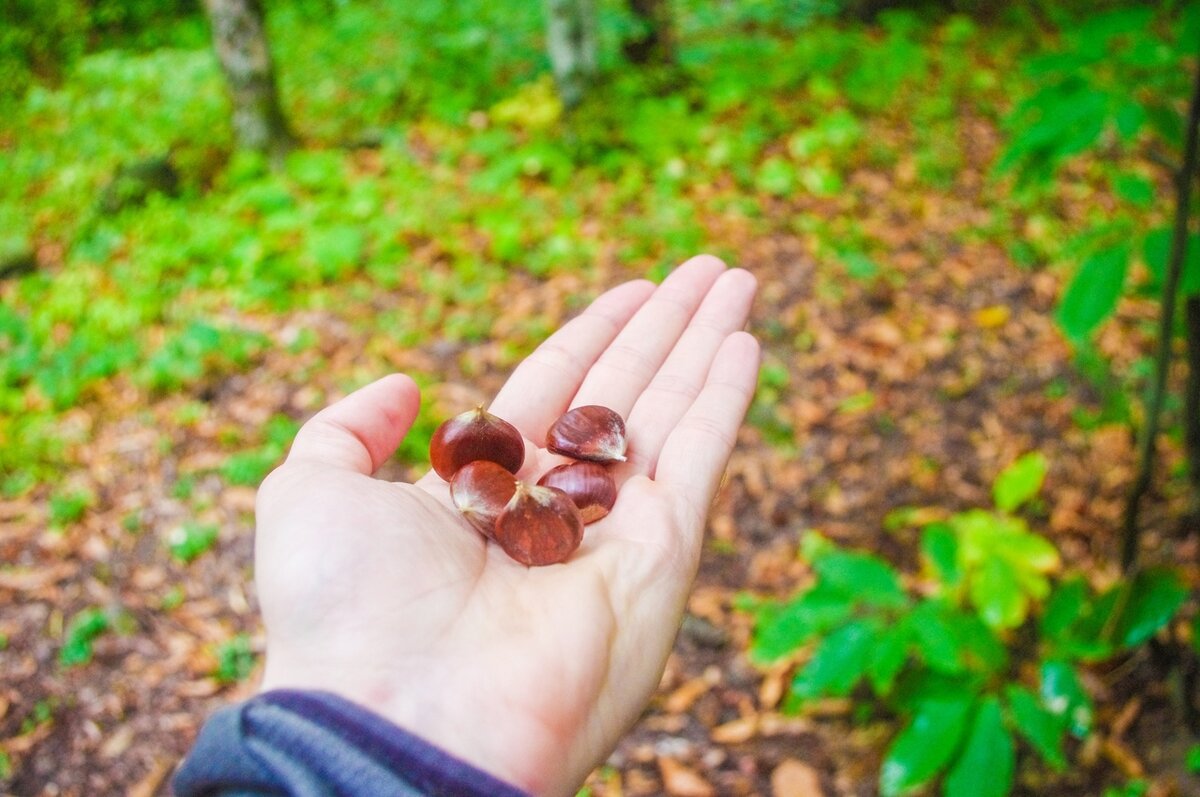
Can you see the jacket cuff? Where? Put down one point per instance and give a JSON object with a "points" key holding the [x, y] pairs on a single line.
{"points": [[290, 742]]}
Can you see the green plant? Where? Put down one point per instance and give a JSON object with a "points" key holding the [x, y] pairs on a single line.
{"points": [[81, 632], [1134, 788], [250, 467], [190, 540], [68, 508], [235, 660], [1114, 87], [948, 655]]}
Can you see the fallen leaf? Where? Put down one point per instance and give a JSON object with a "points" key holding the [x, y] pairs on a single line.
{"points": [[736, 731], [793, 778], [679, 781]]}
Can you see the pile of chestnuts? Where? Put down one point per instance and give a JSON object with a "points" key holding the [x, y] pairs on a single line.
{"points": [[536, 524]]}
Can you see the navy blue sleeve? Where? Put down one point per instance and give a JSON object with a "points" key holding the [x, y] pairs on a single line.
{"points": [[316, 744]]}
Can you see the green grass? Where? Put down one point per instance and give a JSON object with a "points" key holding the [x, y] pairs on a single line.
{"points": [[477, 176]]}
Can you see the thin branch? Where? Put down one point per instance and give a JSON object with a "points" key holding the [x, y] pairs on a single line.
{"points": [[1131, 534]]}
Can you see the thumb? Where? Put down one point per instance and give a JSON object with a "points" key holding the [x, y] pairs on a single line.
{"points": [[362, 430]]}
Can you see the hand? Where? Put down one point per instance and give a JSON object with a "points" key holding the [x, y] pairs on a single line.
{"points": [[382, 593]]}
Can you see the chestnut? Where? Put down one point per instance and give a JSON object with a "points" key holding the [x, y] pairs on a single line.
{"points": [[539, 526], [480, 490], [591, 432], [475, 435], [589, 485]]}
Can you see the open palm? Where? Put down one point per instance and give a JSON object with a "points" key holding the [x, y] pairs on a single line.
{"points": [[382, 593]]}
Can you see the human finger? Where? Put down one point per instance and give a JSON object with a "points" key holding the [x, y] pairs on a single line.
{"points": [[541, 387], [359, 432], [625, 368], [698, 448], [680, 379]]}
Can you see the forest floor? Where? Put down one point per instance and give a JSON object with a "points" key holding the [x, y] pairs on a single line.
{"points": [[909, 390]]}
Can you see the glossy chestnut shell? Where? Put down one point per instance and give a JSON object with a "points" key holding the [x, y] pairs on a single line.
{"points": [[475, 435], [480, 490], [591, 432], [540, 526], [589, 484]]}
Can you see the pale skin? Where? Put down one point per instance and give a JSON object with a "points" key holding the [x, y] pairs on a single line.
{"points": [[380, 592]]}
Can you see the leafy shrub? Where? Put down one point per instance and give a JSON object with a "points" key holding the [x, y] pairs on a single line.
{"points": [[1114, 82], [949, 659]]}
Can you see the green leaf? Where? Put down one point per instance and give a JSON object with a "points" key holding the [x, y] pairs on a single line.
{"points": [[81, 632], [1043, 730], [1064, 696], [1156, 249], [951, 641], [1155, 597], [1064, 607], [838, 662], [939, 548], [867, 578], [776, 177], [925, 746], [1020, 481], [782, 629], [985, 766], [1135, 189], [1092, 295], [1129, 119], [888, 657], [996, 592], [934, 638]]}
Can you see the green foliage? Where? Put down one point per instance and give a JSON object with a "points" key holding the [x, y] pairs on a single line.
{"points": [[250, 467], [1134, 788], [200, 350], [235, 660], [773, 380], [1020, 481], [1116, 81], [941, 655], [67, 508], [80, 634], [189, 541]]}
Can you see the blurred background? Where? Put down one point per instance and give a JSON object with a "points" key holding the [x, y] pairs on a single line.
{"points": [[956, 552]]}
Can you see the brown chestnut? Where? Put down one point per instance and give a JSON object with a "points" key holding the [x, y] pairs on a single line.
{"points": [[589, 484], [592, 432], [540, 526], [480, 490], [474, 435]]}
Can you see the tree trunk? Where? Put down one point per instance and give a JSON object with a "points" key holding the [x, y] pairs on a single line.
{"points": [[240, 41], [1191, 398], [571, 42], [655, 43], [1131, 534]]}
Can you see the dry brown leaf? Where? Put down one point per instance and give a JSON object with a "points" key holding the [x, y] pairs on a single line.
{"points": [[1123, 758], [682, 698], [29, 579], [736, 731], [793, 778], [148, 785], [679, 781]]}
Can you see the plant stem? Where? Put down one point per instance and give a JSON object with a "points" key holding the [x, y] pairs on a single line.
{"points": [[1146, 445]]}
